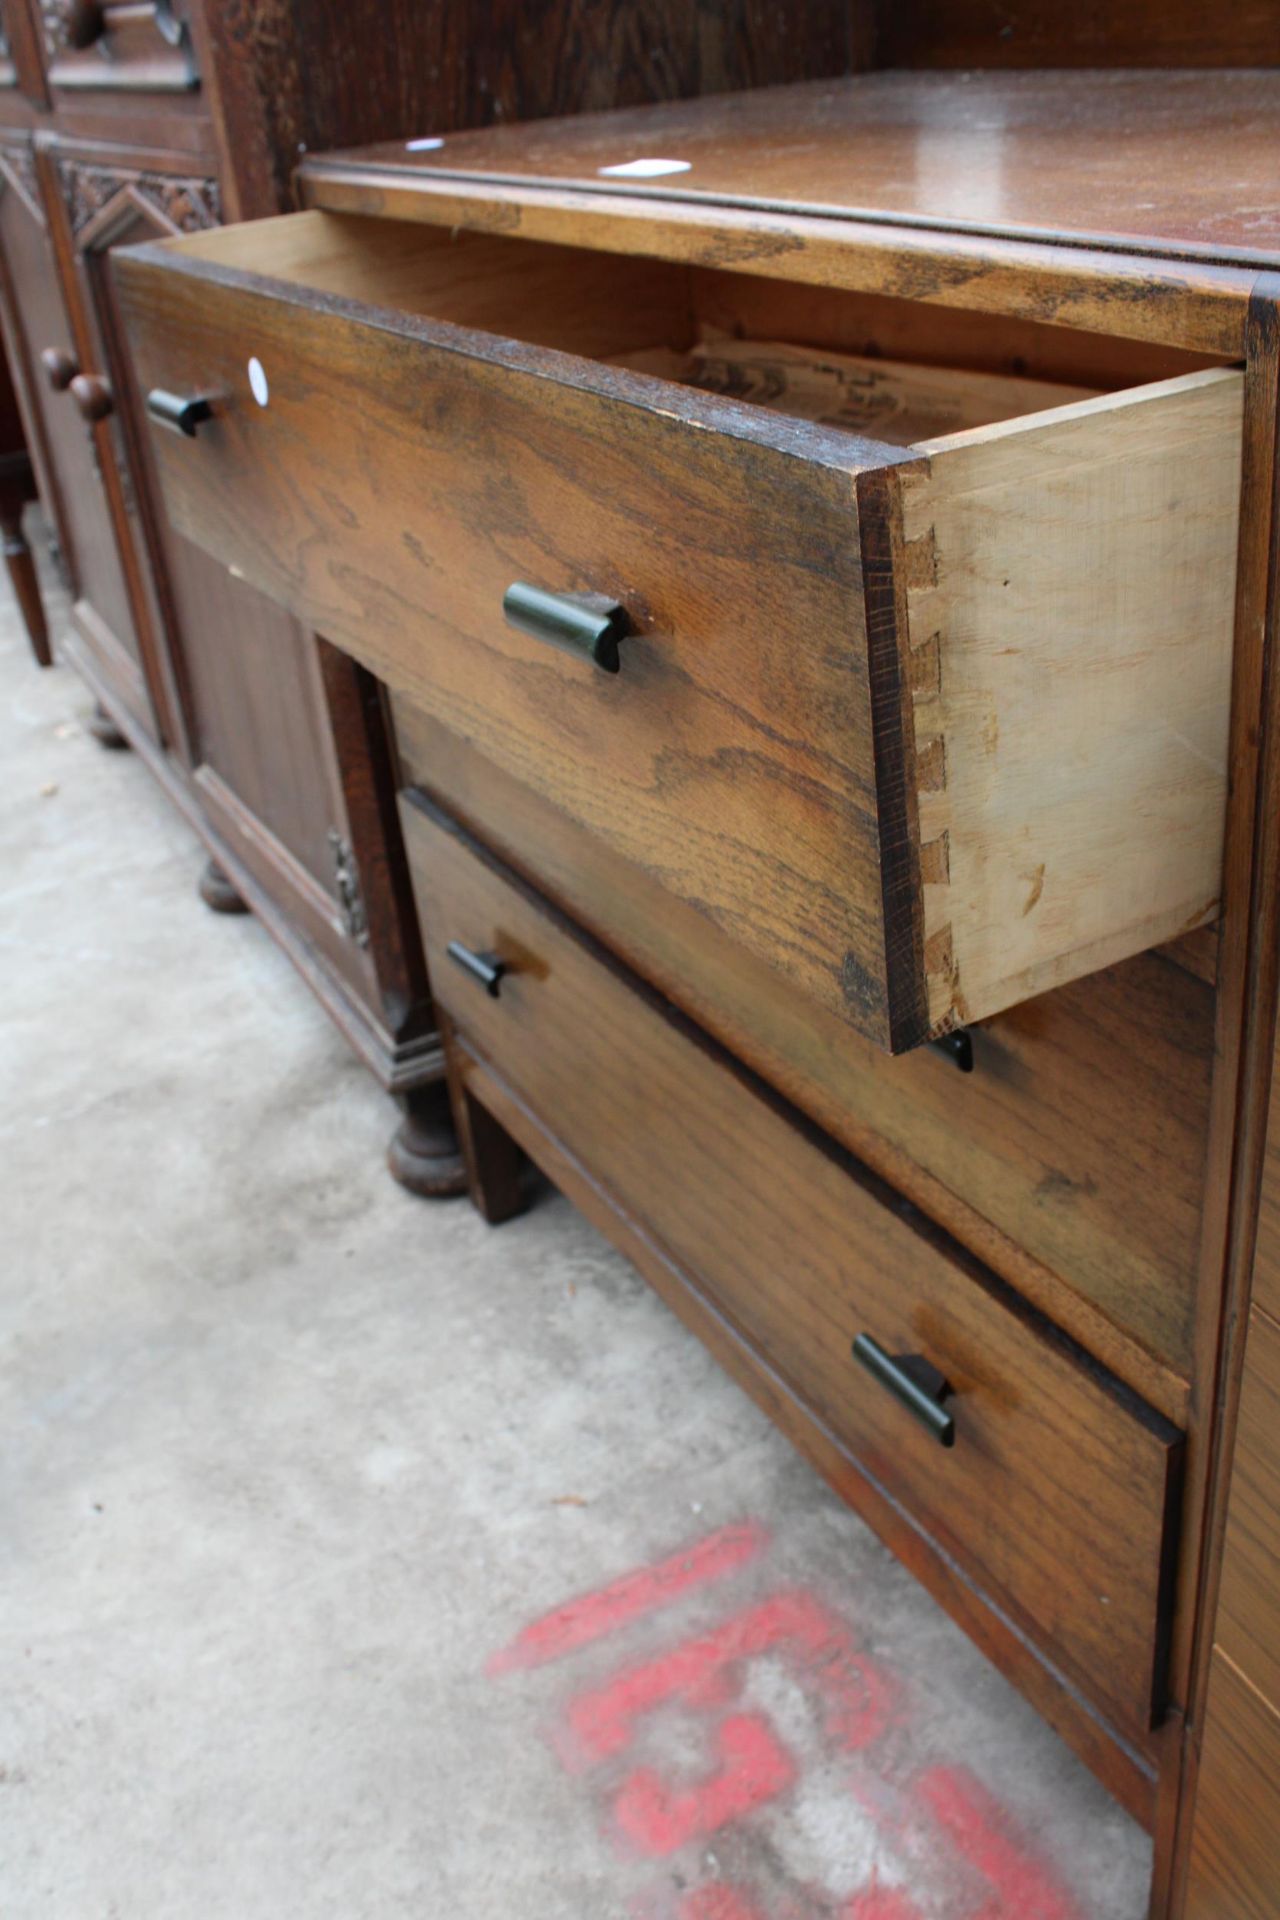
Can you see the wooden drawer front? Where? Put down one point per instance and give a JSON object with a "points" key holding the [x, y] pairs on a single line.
{"points": [[922, 730], [1055, 1493], [1072, 1158], [141, 46]]}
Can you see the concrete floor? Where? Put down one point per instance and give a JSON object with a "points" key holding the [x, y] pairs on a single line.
{"points": [[364, 1562]]}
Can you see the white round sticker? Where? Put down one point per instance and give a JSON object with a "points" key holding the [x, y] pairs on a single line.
{"points": [[644, 169], [258, 381]]}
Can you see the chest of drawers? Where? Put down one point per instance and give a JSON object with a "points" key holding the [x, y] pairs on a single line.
{"points": [[817, 558]]}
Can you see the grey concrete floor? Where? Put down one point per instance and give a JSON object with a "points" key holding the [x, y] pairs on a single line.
{"points": [[290, 1459]]}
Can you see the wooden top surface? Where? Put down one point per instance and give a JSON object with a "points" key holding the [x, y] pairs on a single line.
{"points": [[1184, 164]]}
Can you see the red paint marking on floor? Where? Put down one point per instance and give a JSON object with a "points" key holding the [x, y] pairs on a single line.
{"points": [[856, 1697], [634, 1595], [880, 1903], [754, 1768], [718, 1903], [1023, 1888]]}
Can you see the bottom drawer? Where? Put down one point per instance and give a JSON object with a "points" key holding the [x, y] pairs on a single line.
{"points": [[1052, 1488]]}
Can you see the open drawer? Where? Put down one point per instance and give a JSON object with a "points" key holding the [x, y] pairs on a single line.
{"points": [[926, 728]]}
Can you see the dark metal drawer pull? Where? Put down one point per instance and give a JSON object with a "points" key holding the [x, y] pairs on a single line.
{"points": [[487, 968], [180, 413], [589, 624], [958, 1046], [913, 1380]]}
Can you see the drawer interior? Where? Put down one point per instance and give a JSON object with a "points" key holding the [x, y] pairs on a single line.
{"points": [[659, 315], [877, 367]]}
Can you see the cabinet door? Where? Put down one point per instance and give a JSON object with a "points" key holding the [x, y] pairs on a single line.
{"points": [[238, 681], [67, 450]]}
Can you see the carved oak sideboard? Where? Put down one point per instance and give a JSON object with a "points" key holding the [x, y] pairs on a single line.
{"points": [[123, 120], [820, 547]]}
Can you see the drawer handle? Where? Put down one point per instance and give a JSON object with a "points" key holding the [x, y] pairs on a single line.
{"points": [[78, 23], [180, 413], [487, 968], [958, 1046], [60, 369], [588, 624], [913, 1380], [93, 397]]}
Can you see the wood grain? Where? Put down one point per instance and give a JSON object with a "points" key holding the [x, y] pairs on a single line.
{"points": [[733, 755], [1233, 1860], [26, 52], [1130, 1775], [1244, 1024], [925, 333], [38, 320], [1072, 1158], [1188, 305], [1248, 1623], [1041, 33], [1071, 625], [545, 296], [1177, 164], [1266, 1261], [423, 67], [1055, 1496], [902, 885], [131, 55], [895, 400]]}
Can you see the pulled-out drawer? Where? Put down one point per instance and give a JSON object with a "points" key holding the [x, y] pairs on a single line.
{"points": [[1043, 1479], [925, 729]]}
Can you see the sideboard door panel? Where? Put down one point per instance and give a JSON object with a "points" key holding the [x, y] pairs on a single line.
{"points": [[237, 677], [103, 615]]}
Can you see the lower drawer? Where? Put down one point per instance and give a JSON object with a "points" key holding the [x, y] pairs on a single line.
{"points": [[1055, 1494], [1071, 1159]]}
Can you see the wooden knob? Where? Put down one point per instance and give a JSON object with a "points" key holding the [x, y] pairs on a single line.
{"points": [[80, 22], [60, 368], [93, 396]]}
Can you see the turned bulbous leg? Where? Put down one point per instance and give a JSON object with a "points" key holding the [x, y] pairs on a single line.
{"points": [[217, 891], [104, 729], [424, 1155]]}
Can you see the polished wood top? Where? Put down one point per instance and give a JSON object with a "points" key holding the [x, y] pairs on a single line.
{"points": [[1182, 164]]}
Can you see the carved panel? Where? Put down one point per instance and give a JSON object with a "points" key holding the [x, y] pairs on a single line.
{"points": [[184, 206]]}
